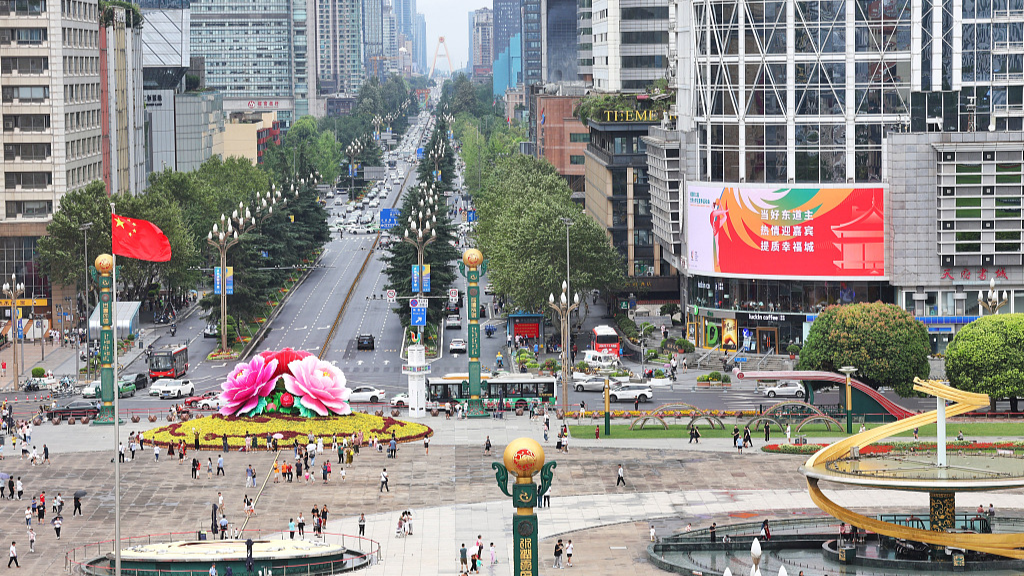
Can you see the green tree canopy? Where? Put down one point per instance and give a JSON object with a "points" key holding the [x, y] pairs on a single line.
{"points": [[887, 345], [987, 357]]}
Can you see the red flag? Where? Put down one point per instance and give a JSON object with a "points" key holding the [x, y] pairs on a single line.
{"points": [[139, 239]]}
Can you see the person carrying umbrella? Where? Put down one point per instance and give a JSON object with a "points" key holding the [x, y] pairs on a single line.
{"points": [[78, 503]]}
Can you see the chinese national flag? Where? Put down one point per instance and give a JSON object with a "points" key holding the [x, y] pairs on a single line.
{"points": [[139, 239]]}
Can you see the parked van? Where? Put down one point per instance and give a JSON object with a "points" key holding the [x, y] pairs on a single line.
{"points": [[597, 359]]}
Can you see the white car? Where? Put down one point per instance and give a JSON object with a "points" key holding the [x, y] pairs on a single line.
{"points": [[211, 403], [631, 392], [786, 388], [401, 400], [91, 390], [457, 345], [171, 388], [592, 384], [366, 394]]}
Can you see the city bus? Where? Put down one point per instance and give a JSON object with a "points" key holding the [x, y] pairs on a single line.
{"points": [[515, 390], [168, 362], [605, 339]]}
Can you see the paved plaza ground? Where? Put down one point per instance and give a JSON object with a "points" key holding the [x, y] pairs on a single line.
{"points": [[451, 492]]}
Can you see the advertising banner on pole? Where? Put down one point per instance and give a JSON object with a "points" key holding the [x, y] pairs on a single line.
{"points": [[426, 277], [774, 231], [415, 278], [230, 276]]}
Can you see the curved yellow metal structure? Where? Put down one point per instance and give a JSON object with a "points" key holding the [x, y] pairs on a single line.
{"points": [[1008, 545]]}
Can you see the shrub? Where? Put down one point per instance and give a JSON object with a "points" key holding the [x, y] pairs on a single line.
{"points": [[659, 373], [550, 364], [532, 365], [652, 354], [581, 366], [714, 376], [793, 349], [685, 346], [887, 345], [38, 372]]}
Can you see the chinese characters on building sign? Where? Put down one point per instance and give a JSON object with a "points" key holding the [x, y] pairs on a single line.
{"points": [[263, 103], [786, 224], [982, 274]]}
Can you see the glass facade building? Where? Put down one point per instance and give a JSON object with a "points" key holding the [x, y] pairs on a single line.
{"points": [[630, 43], [532, 43], [560, 41]]}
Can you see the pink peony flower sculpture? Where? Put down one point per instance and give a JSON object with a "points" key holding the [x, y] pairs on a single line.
{"points": [[318, 386], [248, 385]]}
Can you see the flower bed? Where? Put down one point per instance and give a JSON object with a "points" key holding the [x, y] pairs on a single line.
{"points": [[218, 355], [670, 413], [887, 447], [212, 428]]}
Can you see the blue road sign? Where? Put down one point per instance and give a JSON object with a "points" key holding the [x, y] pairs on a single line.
{"points": [[216, 279], [388, 218], [21, 329], [420, 154], [419, 316], [471, 216]]}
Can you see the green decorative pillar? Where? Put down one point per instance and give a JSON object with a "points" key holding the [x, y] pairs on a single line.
{"points": [[104, 266], [524, 457], [471, 267]]}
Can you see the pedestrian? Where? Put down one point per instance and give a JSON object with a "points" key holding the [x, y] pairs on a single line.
{"points": [[915, 434], [789, 439], [156, 452], [712, 530], [209, 468], [747, 441], [622, 477], [29, 512], [120, 452], [487, 447], [195, 437], [220, 465], [568, 553], [384, 480], [463, 558], [42, 507], [735, 435], [426, 445], [694, 434], [13, 554], [56, 525], [362, 525], [291, 528], [494, 555], [195, 468], [767, 432], [31, 540], [558, 554], [78, 506], [766, 532], [224, 442], [636, 404], [654, 538], [302, 525], [547, 498]]}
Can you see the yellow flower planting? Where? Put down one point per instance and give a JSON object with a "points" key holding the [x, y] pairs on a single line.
{"points": [[213, 428]]}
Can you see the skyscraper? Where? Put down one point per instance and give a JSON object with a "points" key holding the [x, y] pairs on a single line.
{"points": [[508, 21], [532, 40], [630, 47], [585, 42], [483, 45], [560, 41], [420, 43], [373, 37], [258, 60], [339, 28]]}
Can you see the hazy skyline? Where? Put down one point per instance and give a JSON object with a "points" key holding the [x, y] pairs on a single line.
{"points": [[449, 18]]}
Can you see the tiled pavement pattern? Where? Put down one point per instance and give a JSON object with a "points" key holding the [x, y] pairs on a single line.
{"points": [[451, 493]]}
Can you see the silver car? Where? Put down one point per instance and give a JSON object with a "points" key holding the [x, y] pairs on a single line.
{"points": [[592, 384]]}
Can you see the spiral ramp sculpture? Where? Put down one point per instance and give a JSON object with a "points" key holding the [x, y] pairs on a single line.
{"points": [[941, 487]]}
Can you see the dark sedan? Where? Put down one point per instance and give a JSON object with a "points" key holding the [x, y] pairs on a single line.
{"points": [[74, 409]]}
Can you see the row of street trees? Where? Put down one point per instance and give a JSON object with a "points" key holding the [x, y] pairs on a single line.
{"points": [[185, 205]]}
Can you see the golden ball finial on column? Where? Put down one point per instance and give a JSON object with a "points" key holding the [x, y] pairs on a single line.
{"points": [[104, 263], [473, 257], [523, 457]]}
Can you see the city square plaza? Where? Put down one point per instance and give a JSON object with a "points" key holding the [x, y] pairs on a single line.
{"points": [[451, 493]]}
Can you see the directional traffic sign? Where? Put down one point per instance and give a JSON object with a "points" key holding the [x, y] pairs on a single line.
{"points": [[419, 316], [392, 295]]}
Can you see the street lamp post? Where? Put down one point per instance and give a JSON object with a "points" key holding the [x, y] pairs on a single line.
{"points": [[353, 150], [991, 302], [12, 290], [226, 235], [420, 232], [849, 371], [564, 308], [84, 227]]}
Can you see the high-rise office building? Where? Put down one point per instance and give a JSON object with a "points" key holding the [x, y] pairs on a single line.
{"points": [[630, 47], [585, 42], [339, 29], [560, 41], [405, 14], [258, 59], [483, 43], [390, 28], [533, 40], [51, 137], [471, 19], [373, 38], [420, 43], [508, 21], [507, 71]]}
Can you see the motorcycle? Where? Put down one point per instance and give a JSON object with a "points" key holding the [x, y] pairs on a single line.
{"points": [[174, 329]]}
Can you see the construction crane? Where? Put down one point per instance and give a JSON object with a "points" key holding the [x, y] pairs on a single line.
{"points": [[433, 65]]}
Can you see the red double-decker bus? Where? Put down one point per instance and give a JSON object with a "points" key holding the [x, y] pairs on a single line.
{"points": [[168, 362]]}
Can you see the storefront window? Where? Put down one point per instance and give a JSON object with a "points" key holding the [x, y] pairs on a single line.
{"points": [[791, 296], [1018, 301]]}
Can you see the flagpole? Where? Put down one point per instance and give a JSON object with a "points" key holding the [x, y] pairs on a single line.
{"points": [[117, 425]]}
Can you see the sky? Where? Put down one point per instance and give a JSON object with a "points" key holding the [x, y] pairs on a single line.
{"points": [[449, 18]]}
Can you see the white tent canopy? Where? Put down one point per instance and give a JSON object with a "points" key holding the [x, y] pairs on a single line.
{"points": [[127, 321]]}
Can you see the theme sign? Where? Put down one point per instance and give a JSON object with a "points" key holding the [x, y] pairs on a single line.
{"points": [[787, 231]]}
